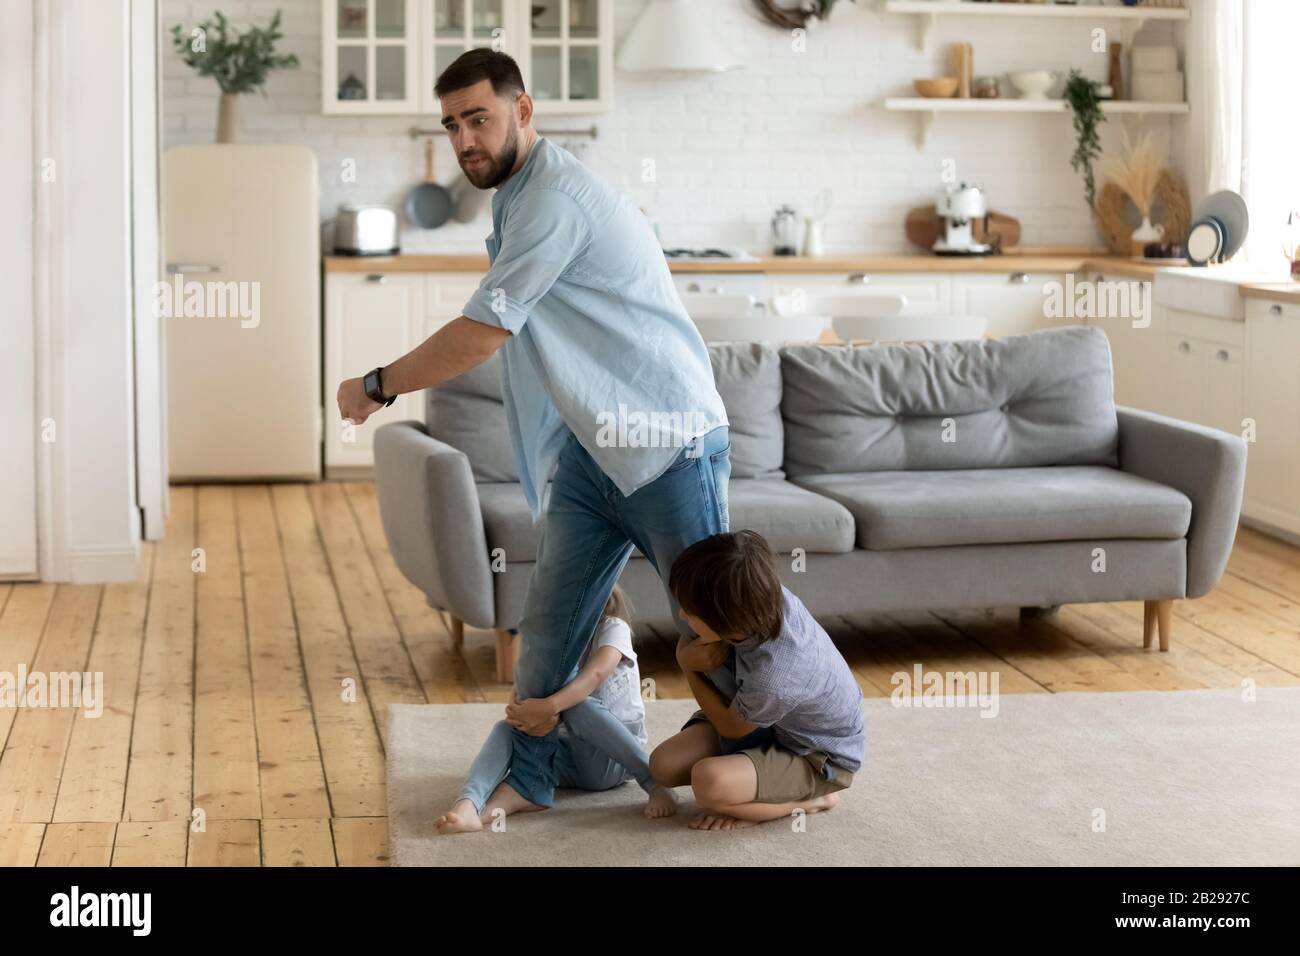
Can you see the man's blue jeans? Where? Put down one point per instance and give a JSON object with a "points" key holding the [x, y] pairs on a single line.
{"points": [[587, 538]]}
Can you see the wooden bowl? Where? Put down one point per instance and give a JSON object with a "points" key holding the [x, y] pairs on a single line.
{"points": [[939, 88]]}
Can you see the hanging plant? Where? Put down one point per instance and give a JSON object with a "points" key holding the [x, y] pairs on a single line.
{"points": [[797, 17], [1081, 94]]}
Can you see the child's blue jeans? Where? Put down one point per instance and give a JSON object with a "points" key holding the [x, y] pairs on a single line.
{"points": [[594, 751]]}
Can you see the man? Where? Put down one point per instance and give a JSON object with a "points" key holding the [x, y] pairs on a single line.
{"points": [[594, 341]]}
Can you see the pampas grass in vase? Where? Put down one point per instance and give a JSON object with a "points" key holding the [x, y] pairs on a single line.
{"points": [[1137, 173]]}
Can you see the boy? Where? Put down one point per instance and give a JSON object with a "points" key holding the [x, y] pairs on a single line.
{"points": [[792, 736]]}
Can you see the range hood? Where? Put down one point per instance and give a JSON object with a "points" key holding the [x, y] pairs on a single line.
{"points": [[669, 36]]}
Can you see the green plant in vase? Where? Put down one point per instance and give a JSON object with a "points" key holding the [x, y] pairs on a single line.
{"points": [[239, 62]]}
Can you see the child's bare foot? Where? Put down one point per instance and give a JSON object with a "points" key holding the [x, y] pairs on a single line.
{"points": [[662, 803], [507, 798], [711, 820], [461, 818]]}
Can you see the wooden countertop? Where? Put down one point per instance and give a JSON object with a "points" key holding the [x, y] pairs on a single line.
{"points": [[1288, 292], [1027, 260]]}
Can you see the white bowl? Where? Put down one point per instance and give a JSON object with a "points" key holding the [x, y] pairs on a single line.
{"points": [[1033, 84]]}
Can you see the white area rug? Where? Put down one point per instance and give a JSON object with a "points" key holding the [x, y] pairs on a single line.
{"points": [[1183, 778]]}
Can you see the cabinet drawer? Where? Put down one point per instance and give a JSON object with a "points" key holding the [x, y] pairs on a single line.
{"points": [[1258, 308], [1207, 328], [924, 292], [449, 291]]}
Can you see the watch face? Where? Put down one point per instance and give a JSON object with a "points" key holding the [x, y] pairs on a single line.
{"points": [[371, 385]]}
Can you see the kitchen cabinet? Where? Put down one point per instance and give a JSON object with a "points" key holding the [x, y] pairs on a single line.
{"points": [[370, 320], [1203, 370], [1013, 302], [1137, 352], [384, 56], [1272, 402], [370, 56], [925, 291]]}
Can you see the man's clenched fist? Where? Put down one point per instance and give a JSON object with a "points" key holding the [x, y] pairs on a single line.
{"points": [[354, 403]]}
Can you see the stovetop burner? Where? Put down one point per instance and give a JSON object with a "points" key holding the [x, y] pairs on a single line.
{"points": [[699, 254]]}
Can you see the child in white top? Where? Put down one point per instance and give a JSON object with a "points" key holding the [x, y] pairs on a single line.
{"points": [[601, 730]]}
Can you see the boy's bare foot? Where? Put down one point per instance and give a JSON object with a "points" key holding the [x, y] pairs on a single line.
{"points": [[662, 803], [711, 820], [461, 818]]}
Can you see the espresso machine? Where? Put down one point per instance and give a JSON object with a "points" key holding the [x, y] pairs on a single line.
{"points": [[958, 207]]}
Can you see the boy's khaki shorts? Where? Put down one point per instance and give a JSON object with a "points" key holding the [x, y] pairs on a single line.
{"points": [[785, 776]]}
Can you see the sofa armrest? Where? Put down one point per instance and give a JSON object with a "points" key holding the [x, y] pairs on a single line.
{"points": [[428, 503], [1205, 464]]}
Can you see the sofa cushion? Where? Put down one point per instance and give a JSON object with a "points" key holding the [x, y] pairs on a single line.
{"points": [[787, 516], [748, 377], [468, 414], [1043, 398], [930, 509]]}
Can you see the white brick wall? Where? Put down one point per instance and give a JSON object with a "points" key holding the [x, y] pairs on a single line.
{"points": [[730, 148]]}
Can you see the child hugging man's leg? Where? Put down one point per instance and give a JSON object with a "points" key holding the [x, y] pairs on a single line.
{"points": [[792, 735]]}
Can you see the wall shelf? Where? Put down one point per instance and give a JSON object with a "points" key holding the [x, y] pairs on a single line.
{"points": [[926, 109], [929, 11]]}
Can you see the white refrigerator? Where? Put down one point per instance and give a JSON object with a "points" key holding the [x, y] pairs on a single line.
{"points": [[241, 312]]}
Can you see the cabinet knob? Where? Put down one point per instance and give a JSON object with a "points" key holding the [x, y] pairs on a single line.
{"points": [[858, 278], [1184, 346], [1222, 355], [377, 278], [1019, 278], [1274, 310], [692, 287]]}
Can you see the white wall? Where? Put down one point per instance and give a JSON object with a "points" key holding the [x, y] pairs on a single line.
{"points": [[90, 523], [728, 149]]}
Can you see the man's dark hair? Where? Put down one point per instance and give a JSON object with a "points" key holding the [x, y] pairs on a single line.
{"points": [[474, 66], [730, 582]]}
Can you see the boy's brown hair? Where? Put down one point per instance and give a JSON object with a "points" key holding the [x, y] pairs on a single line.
{"points": [[730, 582]]}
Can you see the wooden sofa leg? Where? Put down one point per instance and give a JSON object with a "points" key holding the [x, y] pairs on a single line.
{"points": [[1157, 615], [508, 644], [457, 628]]}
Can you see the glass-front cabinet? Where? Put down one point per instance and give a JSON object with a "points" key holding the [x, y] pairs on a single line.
{"points": [[384, 56], [370, 59]]}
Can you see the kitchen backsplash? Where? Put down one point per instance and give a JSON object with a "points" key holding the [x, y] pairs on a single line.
{"points": [[727, 149]]}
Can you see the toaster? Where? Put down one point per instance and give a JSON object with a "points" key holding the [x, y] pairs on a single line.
{"points": [[369, 230]]}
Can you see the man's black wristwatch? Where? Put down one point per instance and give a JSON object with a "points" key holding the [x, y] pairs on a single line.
{"points": [[375, 389]]}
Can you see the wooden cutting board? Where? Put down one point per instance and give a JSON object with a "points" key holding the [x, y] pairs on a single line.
{"points": [[922, 227]]}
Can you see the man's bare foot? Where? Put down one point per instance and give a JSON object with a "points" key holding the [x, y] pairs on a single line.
{"points": [[711, 820], [662, 803], [508, 799], [461, 818]]}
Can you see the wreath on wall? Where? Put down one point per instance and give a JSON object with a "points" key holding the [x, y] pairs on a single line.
{"points": [[796, 17]]}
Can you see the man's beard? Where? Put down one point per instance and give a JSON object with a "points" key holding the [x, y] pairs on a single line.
{"points": [[497, 169]]}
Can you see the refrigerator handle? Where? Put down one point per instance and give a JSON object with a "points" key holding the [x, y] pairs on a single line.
{"points": [[185, 268]]}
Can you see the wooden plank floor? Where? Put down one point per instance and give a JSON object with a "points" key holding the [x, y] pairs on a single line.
{"points": [[245, 703]]}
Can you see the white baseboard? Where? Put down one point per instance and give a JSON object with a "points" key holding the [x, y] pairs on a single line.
{"points": [[103, 565]]}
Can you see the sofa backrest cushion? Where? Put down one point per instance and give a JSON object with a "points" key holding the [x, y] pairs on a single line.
{"points": [[748, 377], [469, 414], [1043, 398]]}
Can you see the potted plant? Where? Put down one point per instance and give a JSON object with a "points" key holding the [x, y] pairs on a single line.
{"points": [[1082, 95], [240, 62]]}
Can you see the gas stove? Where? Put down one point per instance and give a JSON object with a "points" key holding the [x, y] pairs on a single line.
{"points": [[699, 255]]}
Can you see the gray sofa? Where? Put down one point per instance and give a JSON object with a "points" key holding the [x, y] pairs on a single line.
{"points": [[920, 476]]}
